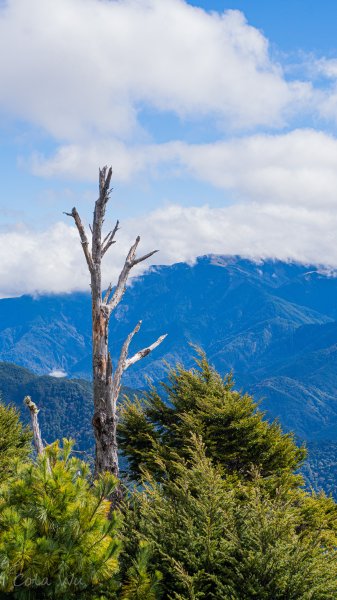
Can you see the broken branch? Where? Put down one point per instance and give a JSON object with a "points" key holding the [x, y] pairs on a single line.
{"points": [[144, 352], [99, 212], [83, 237], [104, 183], [116, 381]]}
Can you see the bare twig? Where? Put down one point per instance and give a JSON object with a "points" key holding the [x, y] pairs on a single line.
{"points": [[136, 261]]}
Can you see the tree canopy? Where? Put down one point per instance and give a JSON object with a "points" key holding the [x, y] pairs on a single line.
{"points": [[157, 429]]}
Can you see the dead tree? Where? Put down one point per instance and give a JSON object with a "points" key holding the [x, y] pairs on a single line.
{"points": [[106, 380], [34, 411]]}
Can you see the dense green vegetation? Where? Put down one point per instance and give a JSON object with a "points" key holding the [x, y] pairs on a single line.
{"points": [[59, 537], [214, 508], [223, 504], [14, 440], [219, 537], [50, 522]]}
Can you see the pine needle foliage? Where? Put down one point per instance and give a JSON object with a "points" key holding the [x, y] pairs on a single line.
{"points": [[154, 431], [220, 538], [56, 540], [15, 440]]}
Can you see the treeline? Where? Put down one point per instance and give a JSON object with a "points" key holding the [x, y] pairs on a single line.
{"points": [[213, 506]]}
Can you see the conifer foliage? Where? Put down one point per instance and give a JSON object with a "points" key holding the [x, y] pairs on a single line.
{"points": [[142, 582], [218, 538], [236, 435], [15, 440], [225, 513]]}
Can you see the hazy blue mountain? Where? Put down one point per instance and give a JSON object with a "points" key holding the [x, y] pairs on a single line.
{"points": [[272, 323], [46, 332]]}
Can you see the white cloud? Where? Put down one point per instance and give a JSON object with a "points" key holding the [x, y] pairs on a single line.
{"points": [[253, 230], [32, 261], [83, 68], [57, 373], [52, 261], [296, 168], [81, 161], [327, 67]]}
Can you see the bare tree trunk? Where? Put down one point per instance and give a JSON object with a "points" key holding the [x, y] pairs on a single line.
{"points": [[33, 409], [106, 383]]}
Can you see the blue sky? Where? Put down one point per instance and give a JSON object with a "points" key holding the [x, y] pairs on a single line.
{"points": [[218, 118], [290, 25]]}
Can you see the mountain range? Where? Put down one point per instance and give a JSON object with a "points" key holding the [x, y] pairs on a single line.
{"points": [[273, 323]]}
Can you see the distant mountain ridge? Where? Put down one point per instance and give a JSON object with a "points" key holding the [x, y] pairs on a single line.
{"points": [[273, 323]]}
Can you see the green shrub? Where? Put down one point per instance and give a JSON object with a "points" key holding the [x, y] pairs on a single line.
{"points": [[55, 538]]}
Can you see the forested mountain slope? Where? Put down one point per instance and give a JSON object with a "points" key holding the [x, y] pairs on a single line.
{"points": [[65, 405]]}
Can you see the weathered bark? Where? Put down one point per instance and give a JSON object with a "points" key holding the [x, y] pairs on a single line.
{"points": [[33, 409], [106, 384]]}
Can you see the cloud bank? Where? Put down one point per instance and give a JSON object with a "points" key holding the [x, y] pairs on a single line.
{"points": [[52, 261]]}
